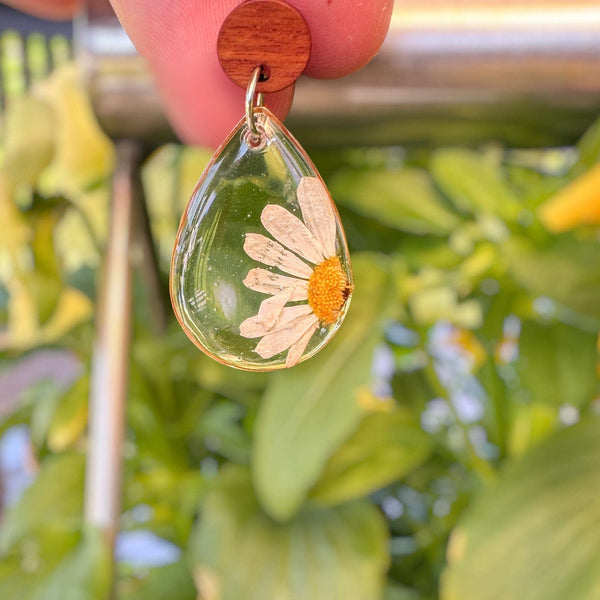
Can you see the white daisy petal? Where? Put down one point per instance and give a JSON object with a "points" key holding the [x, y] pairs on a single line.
{"points": [[268, 252], [290, 231], [266, 282], [318, 213], [297, 350], [270, 309], [255, 326], [278, 341]]}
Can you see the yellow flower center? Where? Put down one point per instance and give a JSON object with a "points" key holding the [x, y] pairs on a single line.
{"points": [[328, 289]]}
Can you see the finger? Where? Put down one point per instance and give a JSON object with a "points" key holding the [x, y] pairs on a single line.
{"points": [[47, 9], [202, 103], [345, 35], [179, 40]]}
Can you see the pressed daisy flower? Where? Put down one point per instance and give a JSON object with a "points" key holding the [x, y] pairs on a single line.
{"points": [[315, 280]]}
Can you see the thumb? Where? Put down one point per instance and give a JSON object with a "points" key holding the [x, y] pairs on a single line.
{"points": [[179, 40]]}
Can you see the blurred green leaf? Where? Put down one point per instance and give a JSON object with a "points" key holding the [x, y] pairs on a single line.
{"points": [[44, 280], [147, 422], [81, 233], [171, 172], [56, 567], [535, 535], [171, 581], [530, 424], [398, 592], [28, 143], [238, 551], [308, 411], [534, 187], [84, 155], [384, 448], [558, 363], [242, 386], [16, 231], [70, 417], [173, 496], [83, 574], [54, 499], [428, 306], [589, 148], [566, 270], [25, 570], [404, 200], [474, 183], [24, 332], [42, 398], [224, 434], [72, 309], [34, 406]]}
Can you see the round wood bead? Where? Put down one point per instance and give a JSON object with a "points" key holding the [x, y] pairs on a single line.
{"points": [[267, 33]]}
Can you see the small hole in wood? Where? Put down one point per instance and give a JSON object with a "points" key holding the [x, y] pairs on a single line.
{"points": [[265, 73]]}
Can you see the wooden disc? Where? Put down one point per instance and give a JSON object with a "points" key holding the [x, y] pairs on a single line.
{"points": [[267, 33]]}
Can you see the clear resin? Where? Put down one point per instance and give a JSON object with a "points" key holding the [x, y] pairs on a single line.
{"points": [[260, 276]]}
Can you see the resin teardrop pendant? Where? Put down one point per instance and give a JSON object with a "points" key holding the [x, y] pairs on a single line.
{"points": [[260, 276]]}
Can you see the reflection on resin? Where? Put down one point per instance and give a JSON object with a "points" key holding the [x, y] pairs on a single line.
{"points": [[260, 277]]}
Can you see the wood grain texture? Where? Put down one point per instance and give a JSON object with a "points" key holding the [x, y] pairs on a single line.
{"points": [[267, 33]]}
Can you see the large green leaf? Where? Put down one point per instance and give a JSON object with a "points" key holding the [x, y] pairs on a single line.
{"points": [[567, 270], [83, 574], [58, 565], [385, 447], [55, 499], [26, 569], [536, 534], [238, 551], [311, 409], [558, 363], [530, 424], [404, 200], [474, 183]]}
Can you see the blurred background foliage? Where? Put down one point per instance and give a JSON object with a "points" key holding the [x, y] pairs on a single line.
{"points": [[445, 445]]}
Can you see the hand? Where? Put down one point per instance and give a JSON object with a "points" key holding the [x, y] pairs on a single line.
{"points": [[178, 37]]}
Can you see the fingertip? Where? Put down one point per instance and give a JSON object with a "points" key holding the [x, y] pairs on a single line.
{"points": [[345, 35], [179, 40]]}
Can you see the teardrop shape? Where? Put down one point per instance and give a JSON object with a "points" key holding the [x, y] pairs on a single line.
{"points": [[260, 276]]}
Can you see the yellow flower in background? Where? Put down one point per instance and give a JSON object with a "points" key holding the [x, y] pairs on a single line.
{"points": [[577, 204]]}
